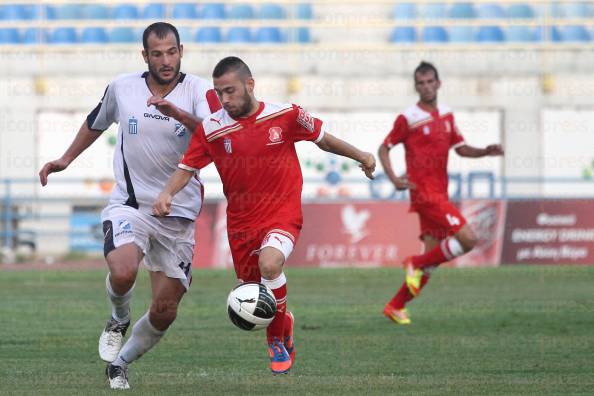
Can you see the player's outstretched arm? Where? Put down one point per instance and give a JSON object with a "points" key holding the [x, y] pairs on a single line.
{"points": [[84, 138], [332, 144], [401, 183], [177, 181], [189, 120], [475, 152]]}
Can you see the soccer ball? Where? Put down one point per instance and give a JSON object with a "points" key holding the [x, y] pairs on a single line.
{"points": [[251, 306]]}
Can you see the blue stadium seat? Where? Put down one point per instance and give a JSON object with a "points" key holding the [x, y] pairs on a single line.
{"points": [[154, 11], [269, 35], [490, 11], [434, 34], [519, 11], [125, 11], [185, 34], [34, 36], [9, 36], [213, 11], [63, 35], [241, 11], [461, 34], [403, 34], [95, 11], [434, 11], [35, 12], [68, 11], [303, 35], [574, 34], [122, 35], [185, 11], [574, 10], [553, 34], [520, 34], [94, 35], [271, 11], [405, 11], [14, 12], [462, 11], [304, 11], [490, 34], [239, 35], [209, 34]]}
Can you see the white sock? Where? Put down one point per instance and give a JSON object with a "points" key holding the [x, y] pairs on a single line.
{"points": [[451, 248], [120, 305], [144, 336]]}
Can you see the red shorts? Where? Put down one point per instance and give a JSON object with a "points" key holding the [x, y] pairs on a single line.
{"points": [[245, 247], [440, 220]]}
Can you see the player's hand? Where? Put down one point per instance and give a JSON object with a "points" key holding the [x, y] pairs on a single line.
{"points": [[494, 150], [368, 165], [401, 183], [51, 167], [162, 206], [164, 106]]}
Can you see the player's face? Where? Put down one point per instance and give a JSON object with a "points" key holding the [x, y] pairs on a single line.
{"points": [[426, 86], [163, 57], [235, 94]]}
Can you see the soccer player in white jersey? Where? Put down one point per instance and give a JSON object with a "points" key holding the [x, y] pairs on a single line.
{"points": [[149, 147]]}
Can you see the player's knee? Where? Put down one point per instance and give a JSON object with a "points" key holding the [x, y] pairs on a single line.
{"points": [[270, 269], [468, 240], [123, 277], [162, 314]]}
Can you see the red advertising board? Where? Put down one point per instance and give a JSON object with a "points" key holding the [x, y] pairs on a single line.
{"points": [[549, 232]]}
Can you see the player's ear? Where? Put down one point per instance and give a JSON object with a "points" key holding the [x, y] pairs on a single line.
{"points": [[181, 50], [145, 56], [438, 84], [250, 83]]}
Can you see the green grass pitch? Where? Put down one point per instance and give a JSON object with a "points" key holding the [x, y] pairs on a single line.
{"points": [[497, 331]]}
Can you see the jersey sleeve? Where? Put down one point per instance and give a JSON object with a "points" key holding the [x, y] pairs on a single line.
{"points": [[398, 133], [457, 139], [197, 155], [106, 112], [305, 126], [207, 103]]}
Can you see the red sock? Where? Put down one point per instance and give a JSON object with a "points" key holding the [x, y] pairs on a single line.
{"points": [[276, 328], [403, 296], [433, 257]]}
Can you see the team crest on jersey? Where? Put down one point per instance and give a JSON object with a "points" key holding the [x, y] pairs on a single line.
{"points": [[305, 120], [132, 126], [426, 130], [227, 143], [180, 130], [275, 134]]}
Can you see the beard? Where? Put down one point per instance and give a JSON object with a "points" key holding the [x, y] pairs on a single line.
{"points": [[243, 109], [155, 74]]}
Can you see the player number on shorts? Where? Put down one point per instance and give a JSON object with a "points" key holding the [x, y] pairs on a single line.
{"points": [[453, 220], [185, 267]]}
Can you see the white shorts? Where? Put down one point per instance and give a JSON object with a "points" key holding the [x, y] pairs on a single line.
{"points": [[167, 242]]}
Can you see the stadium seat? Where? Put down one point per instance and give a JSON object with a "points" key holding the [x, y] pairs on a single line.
{"points": [[490, 11], [185, 34], [434, 34], [239, 35], [125, 11], [154, 11], [405, 11], [552, 34], [574, 10], [574, 34], [122, 35], [213, 11], [34, 36], [209, 35], [520, 11], [63, 35], [490, 34], [95, 11], [433, 11], [94, 35], [461, 11], [269, 35], [303, 35], [14, 12], [241, 11], [520, 34], [304, 11], [461, 34], [9, 36], [271, 11], [35, 12], [403, 34], [68, 11], [185, 11]]}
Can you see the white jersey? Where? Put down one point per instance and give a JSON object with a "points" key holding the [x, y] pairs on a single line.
{"points": [[149, 144]]}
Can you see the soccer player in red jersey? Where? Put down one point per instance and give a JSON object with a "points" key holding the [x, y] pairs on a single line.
{"points": [[252, 145], [428, 132]]}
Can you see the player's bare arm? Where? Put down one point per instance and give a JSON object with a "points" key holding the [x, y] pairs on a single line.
{"points": [[491, 150], [84, 138], [332, 144], [177, 181], [189, 120], [401, 183]]}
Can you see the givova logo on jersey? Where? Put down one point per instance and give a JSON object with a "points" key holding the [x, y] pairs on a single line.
{"points": [[132, 126]]}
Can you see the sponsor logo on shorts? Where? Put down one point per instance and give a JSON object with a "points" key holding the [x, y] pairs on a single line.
{"points": [[124, 228]]}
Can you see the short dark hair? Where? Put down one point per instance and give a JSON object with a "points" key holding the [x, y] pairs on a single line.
{"points": [[161, 30], [231, 64], [425, 67]]}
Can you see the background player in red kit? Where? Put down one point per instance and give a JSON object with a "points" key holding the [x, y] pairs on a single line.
{"points": [[428, 131], [252, 145]]}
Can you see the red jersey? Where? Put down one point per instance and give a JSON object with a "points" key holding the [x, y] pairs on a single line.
{"points": [[427, 137], [257, 162]]}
